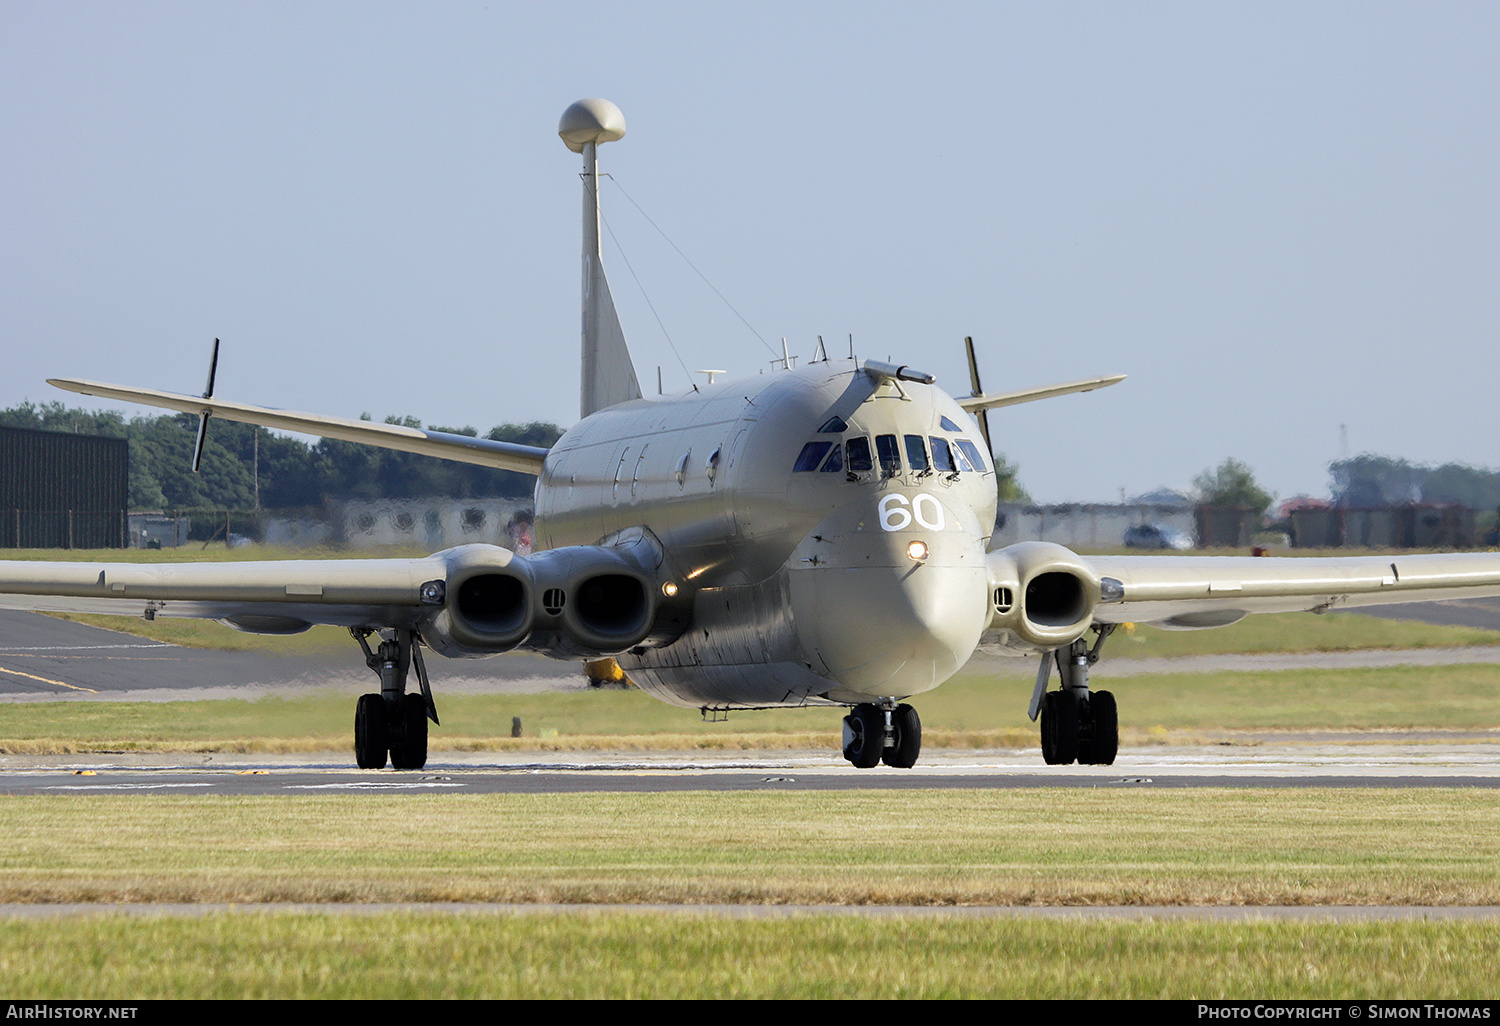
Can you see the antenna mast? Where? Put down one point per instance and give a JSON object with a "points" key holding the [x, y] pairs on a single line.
{"points": [[608, 375]]}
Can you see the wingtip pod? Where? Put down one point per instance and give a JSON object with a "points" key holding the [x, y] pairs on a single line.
{"points": [[1042, 596]]}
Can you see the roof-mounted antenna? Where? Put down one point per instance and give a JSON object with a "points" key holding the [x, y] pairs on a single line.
{"points": [[822, 351], [984, 415], [208, 393], [787, 359]]}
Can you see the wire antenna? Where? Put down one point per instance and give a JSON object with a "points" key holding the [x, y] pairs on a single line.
{"points": [[694, 266]]}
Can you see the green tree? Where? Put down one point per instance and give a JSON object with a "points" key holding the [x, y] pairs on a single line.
{"points": [[1233, 484]]}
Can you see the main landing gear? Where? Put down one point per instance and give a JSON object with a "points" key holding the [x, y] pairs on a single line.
{"points": [[1077, 724], [393, 722], [887, 732]]}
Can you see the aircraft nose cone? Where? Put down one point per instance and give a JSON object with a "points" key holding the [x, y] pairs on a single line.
{"points": [[879, 623]]}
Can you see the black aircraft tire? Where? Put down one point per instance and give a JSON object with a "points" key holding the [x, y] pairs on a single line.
{"points": [[865, 731], [1059, 728], [371, 735], [1045, 727], [907, 726], [1106, 715], [410, 753]]}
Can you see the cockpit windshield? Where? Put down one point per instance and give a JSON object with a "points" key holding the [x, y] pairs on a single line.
{"points": [[923, 454]]}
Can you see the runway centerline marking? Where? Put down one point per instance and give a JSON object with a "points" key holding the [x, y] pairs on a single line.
{"points": [[49, 680]]}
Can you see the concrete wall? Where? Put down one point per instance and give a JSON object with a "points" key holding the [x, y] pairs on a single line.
{"points": [[1085, 525]]}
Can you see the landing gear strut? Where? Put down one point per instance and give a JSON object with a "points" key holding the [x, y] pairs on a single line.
{"points": [[1077, 724], [393, 722], [888, 733]]}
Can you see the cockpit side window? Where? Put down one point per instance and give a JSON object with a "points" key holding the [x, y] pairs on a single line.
{"points": [[971, 450], [947, 424], [835, 462], [916, 453], [835, 426], [942, 456], [857, 453], [959, 457], [890, 455], [811, 456]]}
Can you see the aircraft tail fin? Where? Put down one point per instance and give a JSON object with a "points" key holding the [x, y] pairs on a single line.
{"points": [[608, 374]]}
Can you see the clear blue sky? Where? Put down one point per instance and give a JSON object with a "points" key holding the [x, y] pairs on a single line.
{"points": [[1276, 217]]}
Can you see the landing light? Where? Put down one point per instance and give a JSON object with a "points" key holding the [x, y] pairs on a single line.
{"points": [[917, 550], [669, 589]]}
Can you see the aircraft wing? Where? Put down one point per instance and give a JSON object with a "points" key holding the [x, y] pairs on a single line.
{"points": [[1188, 592], [471, 600], [281, 596], [525, 459], [975, 403]]}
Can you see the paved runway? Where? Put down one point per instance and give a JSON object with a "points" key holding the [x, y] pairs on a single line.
{"points": [[1384, 760]]}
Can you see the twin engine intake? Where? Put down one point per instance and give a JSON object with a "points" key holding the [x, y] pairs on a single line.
{"points": [[1042, 596], [577, 601]]}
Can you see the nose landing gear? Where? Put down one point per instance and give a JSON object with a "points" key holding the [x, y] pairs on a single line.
{"points": [[888, 733]]}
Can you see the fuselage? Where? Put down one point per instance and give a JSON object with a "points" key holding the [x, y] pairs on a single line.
{"points": [[828, 524]]}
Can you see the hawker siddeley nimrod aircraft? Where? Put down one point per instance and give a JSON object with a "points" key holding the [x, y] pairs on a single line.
{"points": [[815, 536]]}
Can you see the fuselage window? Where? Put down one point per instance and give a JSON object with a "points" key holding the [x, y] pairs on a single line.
{"points": [[857, 451], [811, 456], [916, 453], [942, 456], [971, 450], [947, 424], [835, 426], [890, 455], [712, 466]]}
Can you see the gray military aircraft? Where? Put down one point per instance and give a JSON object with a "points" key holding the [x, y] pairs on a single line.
{"points": [[816, 536]]}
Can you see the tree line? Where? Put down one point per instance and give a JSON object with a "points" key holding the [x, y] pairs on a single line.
{"points": [[285, 472]]}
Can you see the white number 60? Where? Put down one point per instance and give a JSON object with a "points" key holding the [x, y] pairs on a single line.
{"points": [[924, 509]]}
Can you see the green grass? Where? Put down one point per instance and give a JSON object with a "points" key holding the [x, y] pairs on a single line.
{"points": [[1037, 846], [1293, 632], [625, 955]]}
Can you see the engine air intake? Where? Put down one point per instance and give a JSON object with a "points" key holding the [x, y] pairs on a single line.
{"points": [[493, 603], [1056, 599]]}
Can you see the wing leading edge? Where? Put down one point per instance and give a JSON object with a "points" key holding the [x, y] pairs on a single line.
{"points": [[1206, 591], [524, 459]]}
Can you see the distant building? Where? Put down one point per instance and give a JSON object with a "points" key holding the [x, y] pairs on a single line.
{"points": [[1085, 525], [62, 491]]}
